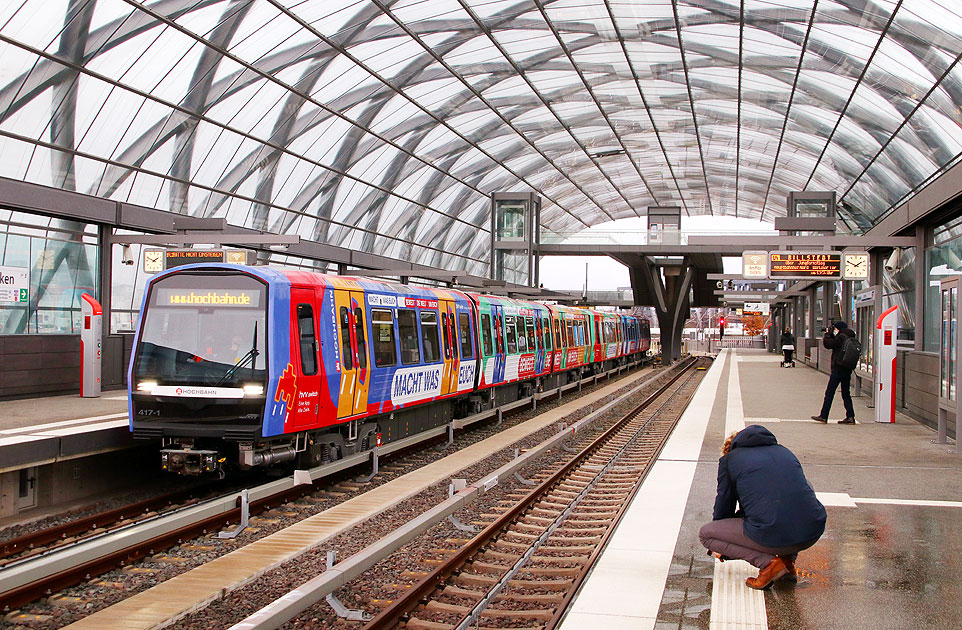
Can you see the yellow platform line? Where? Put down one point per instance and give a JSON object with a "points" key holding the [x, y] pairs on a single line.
{"points": [[195, 589]]}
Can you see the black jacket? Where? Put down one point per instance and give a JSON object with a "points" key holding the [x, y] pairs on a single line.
{"points": [[788, 339], [779, 506], [834, 343]]}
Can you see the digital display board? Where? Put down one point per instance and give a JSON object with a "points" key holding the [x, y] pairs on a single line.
{"points": [[177, 257], [230, 298], [805, 265]]}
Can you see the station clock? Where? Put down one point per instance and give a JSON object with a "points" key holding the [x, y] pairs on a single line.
{"points": [[855, 266]]}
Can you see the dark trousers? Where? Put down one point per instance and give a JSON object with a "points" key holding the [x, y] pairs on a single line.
{"points": [[788, 355], [727, 537], [843, 378]]}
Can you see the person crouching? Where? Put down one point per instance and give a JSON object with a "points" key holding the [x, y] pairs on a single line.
{"points": [[779, 514]]}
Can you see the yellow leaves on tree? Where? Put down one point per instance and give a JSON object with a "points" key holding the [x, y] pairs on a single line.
{"points": [[753, 325]]}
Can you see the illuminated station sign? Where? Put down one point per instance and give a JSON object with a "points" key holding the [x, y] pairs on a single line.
{"points": [[805, 265], [794, 265]]}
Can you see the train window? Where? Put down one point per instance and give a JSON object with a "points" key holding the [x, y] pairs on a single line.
{"points": [[464, 325], [359, 335], [598, 338], [486, 346], [347, 356], [446, 338], [511, 334], [529, 325], [522, 339], [546, 328], [383, 339], [407, 323], [429, 336], [498, 332], [570, 336], [308, 343], [558, 342]]}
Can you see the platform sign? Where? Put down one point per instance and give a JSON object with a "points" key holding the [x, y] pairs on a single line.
{"points": [[156, 260], [14, 285], [791, 265], [756, 308], [755, 265]]}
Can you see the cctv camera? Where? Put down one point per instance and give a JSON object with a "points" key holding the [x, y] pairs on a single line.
{"points": [[125, 256], [892, 262]]}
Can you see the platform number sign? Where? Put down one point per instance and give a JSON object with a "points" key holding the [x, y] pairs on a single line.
{"points": [[14, 285]]}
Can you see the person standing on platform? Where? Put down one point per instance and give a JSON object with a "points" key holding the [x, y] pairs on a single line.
{"points": [[778, 514], [834, 339], [788, 346]]}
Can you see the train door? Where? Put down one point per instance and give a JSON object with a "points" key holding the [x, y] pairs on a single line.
{"points": [[307, 398], [449, 340], [352, 345], [497, 313]]}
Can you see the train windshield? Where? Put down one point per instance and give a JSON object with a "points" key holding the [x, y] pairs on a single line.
{"points": [[203, 329]]}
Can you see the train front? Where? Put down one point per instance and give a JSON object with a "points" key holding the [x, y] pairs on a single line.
{"points": [[199, 369]]}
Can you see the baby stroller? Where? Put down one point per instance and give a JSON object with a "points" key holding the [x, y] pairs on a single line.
{"points": [[788, 350]]}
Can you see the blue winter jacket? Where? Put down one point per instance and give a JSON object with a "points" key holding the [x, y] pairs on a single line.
{"points": [[775, 499]]}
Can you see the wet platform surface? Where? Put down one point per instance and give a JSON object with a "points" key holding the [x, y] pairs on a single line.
{"points": [[890, 555]]}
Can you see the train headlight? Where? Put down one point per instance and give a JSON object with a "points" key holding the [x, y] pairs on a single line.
{"points": [[146, 386], [253, 390]]}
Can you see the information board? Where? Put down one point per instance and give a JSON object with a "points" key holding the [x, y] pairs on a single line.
{"points": [[791, 265], [14, 285], [756, 308]]}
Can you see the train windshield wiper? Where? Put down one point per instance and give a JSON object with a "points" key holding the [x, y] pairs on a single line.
{"points": [[241, 362]]}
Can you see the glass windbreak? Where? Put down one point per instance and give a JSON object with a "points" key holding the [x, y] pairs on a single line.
{"points": [[204, 329]]}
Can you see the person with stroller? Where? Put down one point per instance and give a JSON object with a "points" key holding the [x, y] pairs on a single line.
{"points": [[788, 347]]}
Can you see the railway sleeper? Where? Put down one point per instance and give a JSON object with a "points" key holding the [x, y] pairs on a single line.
{"points": [[489, 612], [540, 598]]}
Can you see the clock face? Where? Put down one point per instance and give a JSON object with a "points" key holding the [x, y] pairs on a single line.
{"points": [[856, 267], [153, 261]]}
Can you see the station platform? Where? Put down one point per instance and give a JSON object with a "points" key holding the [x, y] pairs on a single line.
{"points": [[38, 431], [890, 555]]}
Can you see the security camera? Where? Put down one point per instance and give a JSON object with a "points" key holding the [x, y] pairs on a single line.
{"points": [[125, 256], [892, 262]]}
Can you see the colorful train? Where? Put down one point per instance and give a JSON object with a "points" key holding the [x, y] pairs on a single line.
{"points": [[246, 367]]}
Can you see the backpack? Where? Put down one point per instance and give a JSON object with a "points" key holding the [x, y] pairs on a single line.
{"points": [[850, 354]]}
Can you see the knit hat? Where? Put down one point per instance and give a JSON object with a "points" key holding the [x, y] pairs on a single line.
{"points": [[840, 325]]}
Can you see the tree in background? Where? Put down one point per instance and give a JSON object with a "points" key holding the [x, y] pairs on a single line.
{"points": [[753, 325]]}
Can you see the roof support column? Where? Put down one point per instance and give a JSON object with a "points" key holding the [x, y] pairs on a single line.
{"points": [[668, 288]]}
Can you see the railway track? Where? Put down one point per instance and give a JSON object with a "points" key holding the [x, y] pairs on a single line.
{"points": [[44, 540], [27, 579], [526, 566]]}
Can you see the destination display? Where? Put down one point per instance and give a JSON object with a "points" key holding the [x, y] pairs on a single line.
{"points": [[791, 265], [210, 297]]}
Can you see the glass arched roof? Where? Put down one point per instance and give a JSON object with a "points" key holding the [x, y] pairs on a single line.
{"points": [[384, 126]]}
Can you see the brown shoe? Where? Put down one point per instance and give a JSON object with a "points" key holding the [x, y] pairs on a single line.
{"points": [[789, 570], [775, 569]]}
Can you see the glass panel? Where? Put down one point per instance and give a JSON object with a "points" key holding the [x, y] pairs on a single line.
{"points": [[953, 317], [529, 326], [347, 355], [429, 336], [511, 215], [486, 346], [185, 341], [464, 328], [359, 335], [510, 333], [408, 332], [383, 338]]}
